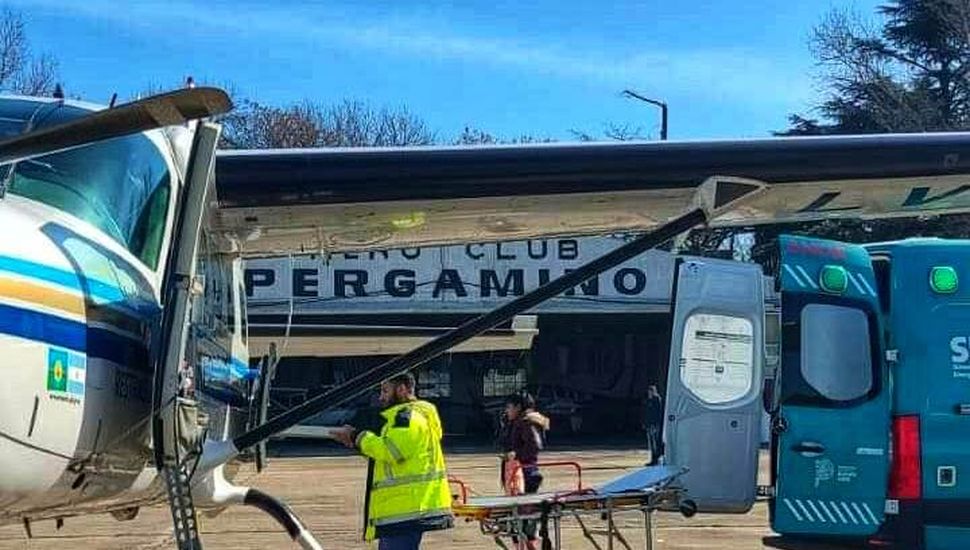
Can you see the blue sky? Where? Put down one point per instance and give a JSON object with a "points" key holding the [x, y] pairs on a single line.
{"points": [[727, 68]]}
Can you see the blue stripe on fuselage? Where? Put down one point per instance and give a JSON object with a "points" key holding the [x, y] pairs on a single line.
{"points": [[50, 329], [96, 342]]}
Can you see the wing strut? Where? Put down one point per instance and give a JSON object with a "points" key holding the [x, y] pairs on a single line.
{"points": [[714, 197]]}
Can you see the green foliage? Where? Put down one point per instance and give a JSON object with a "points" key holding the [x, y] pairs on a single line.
{"points": [[907, 74]]}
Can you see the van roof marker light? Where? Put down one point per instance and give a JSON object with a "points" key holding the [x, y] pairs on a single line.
{"points": [[944, 280], [833, 279]]}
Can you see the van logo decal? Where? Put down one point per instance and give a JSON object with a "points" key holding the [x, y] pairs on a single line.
{"points": [[870, 451], [960, 356]]}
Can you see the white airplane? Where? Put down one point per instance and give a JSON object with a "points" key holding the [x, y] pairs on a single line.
{"points": [[122, 319]]}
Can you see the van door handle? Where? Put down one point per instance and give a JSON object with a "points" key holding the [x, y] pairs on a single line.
{"points": [[809, 449]]}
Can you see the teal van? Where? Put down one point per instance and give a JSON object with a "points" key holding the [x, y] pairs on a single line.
{"points": [[924, 289], [871, 412]]}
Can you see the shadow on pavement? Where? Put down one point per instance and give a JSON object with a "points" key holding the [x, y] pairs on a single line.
{"points": [[793, 544]]}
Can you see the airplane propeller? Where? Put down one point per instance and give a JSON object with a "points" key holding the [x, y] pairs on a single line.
{"points": [[153, 112]]}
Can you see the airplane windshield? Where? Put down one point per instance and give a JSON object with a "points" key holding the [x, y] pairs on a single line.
{"points": [[120, 186]]}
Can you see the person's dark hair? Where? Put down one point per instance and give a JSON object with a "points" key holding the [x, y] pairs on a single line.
{"points": [[522, 400], [405, 379]]}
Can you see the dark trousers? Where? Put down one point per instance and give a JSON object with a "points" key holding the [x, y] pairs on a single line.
{"points": [[406, 541], [654, 444], [533, 479]]}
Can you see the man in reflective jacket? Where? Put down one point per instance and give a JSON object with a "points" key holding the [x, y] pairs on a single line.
{"points": [[407, 485]]}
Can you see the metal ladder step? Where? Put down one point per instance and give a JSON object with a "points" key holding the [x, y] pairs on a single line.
{"points": [[180, 503]]}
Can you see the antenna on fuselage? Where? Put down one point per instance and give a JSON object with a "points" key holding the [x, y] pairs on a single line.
{"points": [[58, 92], [114, 97]]}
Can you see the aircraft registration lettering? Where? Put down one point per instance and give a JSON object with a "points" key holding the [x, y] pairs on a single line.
{"points": [[917, 197]]}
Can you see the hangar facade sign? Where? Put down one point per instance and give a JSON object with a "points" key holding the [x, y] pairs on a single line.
{"points": [[470, 277]]}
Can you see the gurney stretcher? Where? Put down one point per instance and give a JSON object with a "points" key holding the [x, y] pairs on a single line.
{"points": [[644, 490]]}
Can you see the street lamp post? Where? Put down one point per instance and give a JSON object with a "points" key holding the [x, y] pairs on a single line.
{"points": [[663, 110]]}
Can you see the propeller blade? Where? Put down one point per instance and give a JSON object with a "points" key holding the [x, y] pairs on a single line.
{"points": [[153, 112]]}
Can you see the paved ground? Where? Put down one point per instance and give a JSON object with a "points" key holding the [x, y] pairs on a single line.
{"points": [[326, 493]]}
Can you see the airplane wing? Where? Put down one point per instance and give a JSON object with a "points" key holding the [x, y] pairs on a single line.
{"points": [[167, 109], [277, 202]]}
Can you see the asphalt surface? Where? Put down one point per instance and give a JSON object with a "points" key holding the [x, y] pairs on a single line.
{"points": [[327, 494]]}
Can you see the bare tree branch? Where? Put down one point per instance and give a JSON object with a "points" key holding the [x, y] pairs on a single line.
{"points": [[400, 128], [611, 132], [21, 72], [13, 46], [346, 124], [38, 78], [475, 136], [623, 132]]}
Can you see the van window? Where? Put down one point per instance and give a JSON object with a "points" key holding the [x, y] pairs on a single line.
{"points": [[836, 356]]}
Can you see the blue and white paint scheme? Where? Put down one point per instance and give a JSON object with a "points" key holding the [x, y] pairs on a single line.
{"points": [[85, 238]]}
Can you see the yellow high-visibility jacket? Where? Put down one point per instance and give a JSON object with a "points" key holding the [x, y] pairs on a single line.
{"points": [[407, 488]]}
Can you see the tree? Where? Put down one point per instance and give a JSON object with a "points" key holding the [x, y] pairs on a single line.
{"points": [[344, 124], [21, 71], [255, 126], [612, 132], [911, 74], [352, 123], [764, 249], [709, 241], [623, 132], [476, 136]]}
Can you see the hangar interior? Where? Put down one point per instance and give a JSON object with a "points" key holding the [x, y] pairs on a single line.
{"points": [[589, 373]]}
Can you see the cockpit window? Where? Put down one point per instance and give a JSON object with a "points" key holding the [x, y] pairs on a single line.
{"points": [[121, 186]]}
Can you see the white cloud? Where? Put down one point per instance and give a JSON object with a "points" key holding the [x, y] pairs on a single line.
{"points": [[731, 75]]}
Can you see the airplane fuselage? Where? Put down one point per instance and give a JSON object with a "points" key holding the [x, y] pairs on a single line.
{"points": [[85, 240], [76, 318]]}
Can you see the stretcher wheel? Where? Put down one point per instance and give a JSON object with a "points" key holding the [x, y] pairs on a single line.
{"points": [[688, 508]]}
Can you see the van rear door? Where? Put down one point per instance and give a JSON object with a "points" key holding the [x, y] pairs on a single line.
{"points": [[714, 382], [831, 430], [929, 326]]}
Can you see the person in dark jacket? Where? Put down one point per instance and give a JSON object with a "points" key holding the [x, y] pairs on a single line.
{"points": [[524, 441], [654, 419]]}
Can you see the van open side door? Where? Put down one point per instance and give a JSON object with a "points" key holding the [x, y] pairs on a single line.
{"points": [[713, 401], [830, 434]]}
